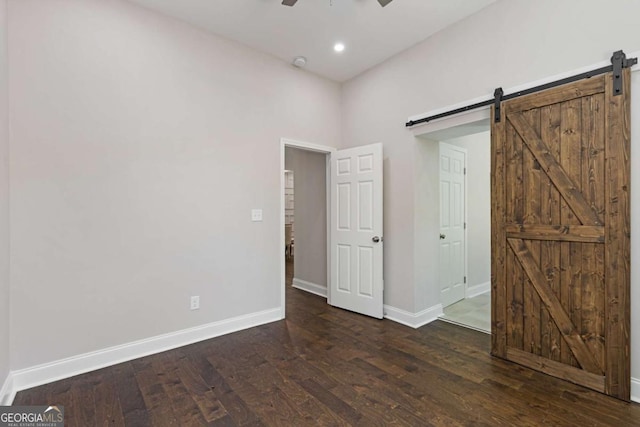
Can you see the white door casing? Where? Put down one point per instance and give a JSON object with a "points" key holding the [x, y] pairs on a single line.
{"points": [[452, 161], [356, 251]]}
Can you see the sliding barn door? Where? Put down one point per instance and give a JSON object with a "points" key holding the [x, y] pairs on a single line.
{"points": [[560, 233]]}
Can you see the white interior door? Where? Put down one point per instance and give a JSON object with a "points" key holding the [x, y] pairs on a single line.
{"points": [[452, 223], [356, 230]]}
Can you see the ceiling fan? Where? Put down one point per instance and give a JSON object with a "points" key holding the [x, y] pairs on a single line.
{"points": [[383, 3]]}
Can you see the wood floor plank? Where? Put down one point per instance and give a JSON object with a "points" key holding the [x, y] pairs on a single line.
{"points": [[337, 405], [184, 407], [157, 401], [61, 393], [210, 407], [134, 409], [83, 400], [108, 409]]}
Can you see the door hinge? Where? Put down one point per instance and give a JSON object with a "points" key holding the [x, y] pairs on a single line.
{"points": [[465, 279], [465, 225], [464, 171]]}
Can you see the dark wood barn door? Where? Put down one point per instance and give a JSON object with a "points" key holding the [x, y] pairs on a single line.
{"points": [[560, 233]]}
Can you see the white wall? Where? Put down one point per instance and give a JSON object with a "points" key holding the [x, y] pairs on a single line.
{"points": [[478, 148], [426, 243], [4, 202], [310, 186], [139, 147], [509, 43]]}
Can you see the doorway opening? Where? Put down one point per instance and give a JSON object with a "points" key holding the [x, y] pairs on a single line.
{"points": [[338, 192], [304, 218], [464, 222]]}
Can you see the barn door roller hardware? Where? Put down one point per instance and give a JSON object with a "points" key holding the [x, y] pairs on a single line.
{"points": [[619, 61], [497, 102]]}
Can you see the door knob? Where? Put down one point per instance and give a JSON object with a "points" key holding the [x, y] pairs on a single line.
{"points": [[375, 239], [442, 236]]}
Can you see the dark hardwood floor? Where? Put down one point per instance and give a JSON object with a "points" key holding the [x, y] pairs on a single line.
{"points": [[325, 366]]}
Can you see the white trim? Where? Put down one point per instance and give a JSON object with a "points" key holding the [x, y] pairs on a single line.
{"points": [[471, 116], [481, 113], [7, 392], [327, 176], [282, 243], [312, 288], [635, 390], [475, 290], [413, 320], [80, 364], [309, 146], [465, 325]]}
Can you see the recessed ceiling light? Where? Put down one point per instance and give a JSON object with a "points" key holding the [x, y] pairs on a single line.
{"points": [[338, 47]]}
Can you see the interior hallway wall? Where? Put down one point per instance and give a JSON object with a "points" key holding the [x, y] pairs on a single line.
{"points": [[310, 212], [140, 145]]}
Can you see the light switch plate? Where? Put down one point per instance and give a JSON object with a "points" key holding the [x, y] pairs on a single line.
{"points": [[256, 215]]}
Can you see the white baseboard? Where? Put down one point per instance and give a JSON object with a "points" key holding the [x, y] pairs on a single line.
{"points": [[7, 392], [413, 320], [635, 390], [310, 287], [49, 372], [474, 291]]}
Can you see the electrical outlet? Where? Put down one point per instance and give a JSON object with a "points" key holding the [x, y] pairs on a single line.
{"points": [[195, 303]]}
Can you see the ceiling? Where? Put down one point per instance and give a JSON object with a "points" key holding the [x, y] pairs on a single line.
{"points": [[370, 33]]}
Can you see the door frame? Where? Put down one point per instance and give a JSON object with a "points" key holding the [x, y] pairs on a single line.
{"points": [[424, 135], [466, 219], [317, 148]]}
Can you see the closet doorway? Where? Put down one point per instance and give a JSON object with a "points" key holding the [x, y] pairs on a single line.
{"points": [[464, 222]]}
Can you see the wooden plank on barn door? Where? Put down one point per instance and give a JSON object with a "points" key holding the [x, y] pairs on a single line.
{"points": [[498, 240], [515, 318], [560, 234], [618, 234], [593, 146], [531, 187], [550, 254]]}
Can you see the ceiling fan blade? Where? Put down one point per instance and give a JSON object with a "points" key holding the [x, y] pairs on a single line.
{"points": [[289, 2], [383, 3]]}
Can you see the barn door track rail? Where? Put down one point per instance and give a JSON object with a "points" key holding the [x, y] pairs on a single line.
{"points": [[619, 61]]}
